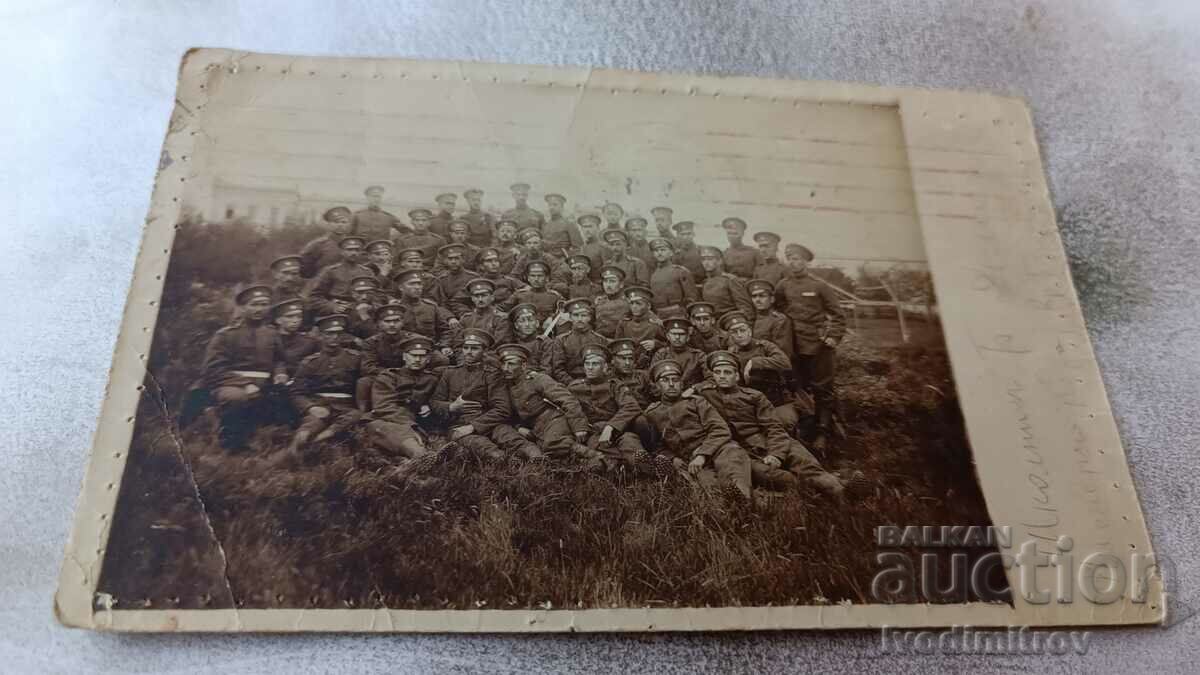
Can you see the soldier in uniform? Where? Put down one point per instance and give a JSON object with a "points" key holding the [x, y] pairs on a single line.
{"points": [[690, 359], [381, 257], [421, 238], [579, 283], [413, 259], [288, 317], [373, 222], [624, 353], [695, 435], [485, 316], [460, 233], [778, 461], [687, 253], [768, 247], [541, 412], [329, 292], [488, 264], [592, 247], [323, 387], [524, 215], [662, 220], [454, 277], [547, 302], [636, 271], [769, 323], [506, 245], [566, 360], [613, 213], [439, 224], [531, 250], [639, 247], [763, 367], [559, 235], [525, 330], [360, 317], [482, 224], [381, 351], [463, 390], [326, 250], [740, 260], [242, 361], [641, 325], [818, 325], [611, 305], [285, 273], [672, 284], [705, 335], [401, 398], [425, 317], [725, 291], [610, 409]]}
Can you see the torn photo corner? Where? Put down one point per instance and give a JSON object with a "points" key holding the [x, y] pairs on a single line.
{"points": [[464, 347]]}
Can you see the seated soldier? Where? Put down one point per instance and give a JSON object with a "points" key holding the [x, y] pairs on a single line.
{"points": [[566, 355], [578, 282], [690, 359], [329, 292], [725, 291], [695, 436], [421, 238], [770, 324], [506, 246], [705, 335], [453, 277], [381, 260], [636, 271], [531, 250], [488, 265], [460, 233], [285, 272], [623, 368], [412, 259], [484, 316], [524, 329], [641, 325], [423, 316], [763, 367], [610, 410], [611, 305], [546, 301], [539, 417], [288, 317], [672, 285], [400, 397], [778, 461], [463, 390], [364, 300], [322, 389]]}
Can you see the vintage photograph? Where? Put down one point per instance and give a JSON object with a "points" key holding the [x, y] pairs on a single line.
{"points": [[476, 346]]}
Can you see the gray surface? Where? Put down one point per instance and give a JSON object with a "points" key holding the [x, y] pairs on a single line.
{"points": [[88, 91]]}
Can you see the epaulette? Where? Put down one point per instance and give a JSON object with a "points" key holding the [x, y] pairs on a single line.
{"points": [[653, 405], [430, 302], [576, 381]]}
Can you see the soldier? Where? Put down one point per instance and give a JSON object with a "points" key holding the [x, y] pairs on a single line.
{"points": [[593, 248], [610, 409], [322, 390], [639, 248], [541, 412], [401, 398], [506, 245], [696, 436], [818, 325], [460, 232], [288, 317], [329, 292], [242, 361], [740, 260], [769, 323], [413, 259], [425, 317], [611, 306], [723, 290], [454, 277], [285, 272], [525, 330], [640, 325], [566, 360], [613, 213], [531, 250], [326, 250], [559, 234], [382, 350], [778, 461], [381, 260], [373, 222], [690, 359], [481, 224], [463, 390], [763, 366], [662, 220], [439, 224], [364, 298], [580, 283], [421, 238], [522, 213], [672, 284], [488, 264], [547, 302], [636, 272], [768, 247], [624, 353], [484, 317], [686, 251], [705, 335]]}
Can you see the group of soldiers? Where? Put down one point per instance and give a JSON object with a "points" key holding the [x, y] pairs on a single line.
{"points": [[532, 336]]}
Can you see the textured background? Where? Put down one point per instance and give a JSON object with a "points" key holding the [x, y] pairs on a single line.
{"points": [[88, 90]]}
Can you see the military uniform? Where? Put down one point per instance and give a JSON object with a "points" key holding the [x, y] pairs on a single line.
{"points": [[714, 340], [545, 301], [508, 259], [816, 316], [296, 347], [610, 310], [398, 396], [673, 289], [488, 319], [771, 270], [607, 403], [775, 328], [640, 329], [567, 357], [727, 293], [553, 262], [578, 289], [635, 269], [452, 285], [640, 249], [688, 256], [559, 234], [333, 283], [319, 254], [741, 260], [482, 228], [689, 358], [327, 379], [505, 286], [525, 216], [427, 242], [689, 428], [439, 224], [472, 382], [545, 407], [375, 223], [425, 317]]}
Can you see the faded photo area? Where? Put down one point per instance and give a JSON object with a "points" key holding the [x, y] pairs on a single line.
{"points": [[436, 344]]}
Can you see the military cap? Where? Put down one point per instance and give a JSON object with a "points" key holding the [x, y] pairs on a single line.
{"points": [[420, 213], [759, 285], [372, 188], [660, 242], [665, 367], [334, 323], [804, 251], [674, 324], [485, 252], [286, 262], [639, 292], [508, 221], [555, 195], [478, 336], [408, 275], [701, 308], [459, 224], [526, 231], [519, 187], [574, 303], [445, 195], [579, 259], [594, 350], [661, 209], [289, 306], [389, 310], [364, 283], [588, 216], [684, 226], [622, 346], [609, 234], [450, 248], [511, 350], [722, 357], [473, 191], [246, 294], [734, 318], [735, 220], [709, 251], [635, 219], [536, 263], [410, 253], [523, 308], [760, 237], [416, 344], [352, 238], [380, 243], [476, 285], [614, 270], [336, 211]]}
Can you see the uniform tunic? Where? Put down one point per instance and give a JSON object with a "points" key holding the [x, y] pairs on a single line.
{"points": [[713, 341], [595, 252], [541, 350], [552, 260], [296, 347], [399, 393], [610, 311], [558, 233], [640, 386], [775, 328], [771, 270], [525, 216], [439, 224], [741, 260], [427, 242], [578, 289], [689, 257], [505, 287], [640, 329], [770, 368], [727, 293], [375, 223], [636, 271], [425, 317], [545, 301], [490, 319], [327, 379], [472, 382], [482, 228], [689, 358], [813, 308], [453, 285], [360, 327], [641, 251], [567, 360], [609, 403], [690, 428], [508, 259], [333, 283], [319, 254], [673, 287], [244, 346], [545, 407]]}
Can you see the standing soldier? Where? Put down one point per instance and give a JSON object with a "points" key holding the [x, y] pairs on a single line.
{"points": [[740, 260], [566, 361], [482, 224], [672, 284], [542, 413], [506, 245], [662, 220], [558, 233], [439, 224], [611, 305], [610, 409], [400, 398], [768, 247], [326, 250], [421, 238], [524, 215], [723, 290], [423, 316], [639, 248], [463, 390], [593, 248], [763, 366], [285, 272], [690, 359], [413, 260], [778, 461], [288, 317], [695, 435], [364, 299], [547, 302], [580, 283], [636, 272], [454, 277], [373, 222], [613, 213], [322, 390], [488, 265], [705, 335], [687, 253], [641, 325], [769, 323], [525, 329], [381, 260], [484, 316], [329, 292], [818, 325]]}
